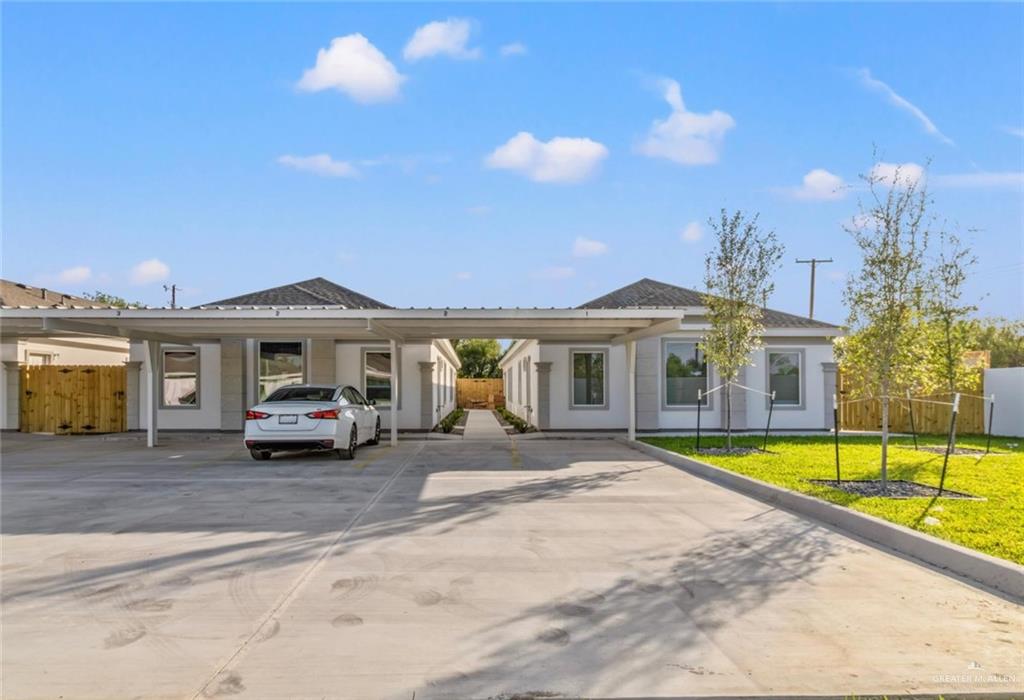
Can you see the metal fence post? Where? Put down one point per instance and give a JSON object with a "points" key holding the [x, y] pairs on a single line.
{"points": [[768, 426], [950, 441], [699, 397], [910, 408], [835, 430]]}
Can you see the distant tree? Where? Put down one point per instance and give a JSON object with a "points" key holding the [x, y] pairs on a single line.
{"points": [[738, 278], [479, 357], [948, 332], [884, 351], [104, 299], [1003, 338]]}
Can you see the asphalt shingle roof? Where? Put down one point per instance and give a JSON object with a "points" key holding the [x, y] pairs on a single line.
{"points": [[648, 293], [18, 294], [315, 292]]}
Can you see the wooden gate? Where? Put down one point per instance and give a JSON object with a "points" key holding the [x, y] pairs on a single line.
{"points": [[72, 399], [479, 393]]}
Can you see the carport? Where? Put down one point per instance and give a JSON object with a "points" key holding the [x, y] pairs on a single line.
{"points": [[396, 327]]}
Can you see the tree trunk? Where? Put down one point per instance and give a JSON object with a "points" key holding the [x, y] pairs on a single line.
{"points": [[728, 416], [885, 443]]}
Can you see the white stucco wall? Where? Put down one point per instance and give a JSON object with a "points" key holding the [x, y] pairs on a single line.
{"points": [[613, 415], [81, 350], [207, 415], [443, 383], [1008, 385], [522, 398], [349, 358], [8, 394]]}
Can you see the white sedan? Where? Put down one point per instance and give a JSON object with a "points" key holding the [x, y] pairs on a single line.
{"points": [[311, 417]]}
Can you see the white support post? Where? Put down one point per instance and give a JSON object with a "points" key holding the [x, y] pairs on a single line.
{"points": [[394, 392], [153, 352], [631, 370]]}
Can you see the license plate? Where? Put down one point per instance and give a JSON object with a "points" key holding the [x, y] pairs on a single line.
{"points": [[287, 419]]}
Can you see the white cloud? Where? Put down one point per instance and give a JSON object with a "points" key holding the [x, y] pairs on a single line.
{"points": [[820, 184], [356, 67], [447, 38], [555, 273], [149, 271], [514, 49], [981, 180], [897, 174], [74, 275], [320, 164], [588, 248], [463, 276], [1014, 131], [561, 159], [872, 83], [685, 137], [692, 232]]}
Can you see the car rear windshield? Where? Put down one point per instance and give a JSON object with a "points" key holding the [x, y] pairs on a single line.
{"points": [[302, 393]]}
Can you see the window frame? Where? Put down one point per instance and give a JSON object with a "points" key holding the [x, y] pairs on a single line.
{"points": [[164, 349], [302, 342], [584, 350], [709, 400], [801, 354], [391, 377]]}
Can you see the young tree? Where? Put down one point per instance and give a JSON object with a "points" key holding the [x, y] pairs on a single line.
{"points": [[1003, 338], [884, 351], [738, 278], [949, 332], [117, 302], [479, 357]]}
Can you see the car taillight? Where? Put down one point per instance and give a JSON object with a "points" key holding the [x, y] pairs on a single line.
{"points": [[326, 414], [256, 415]]}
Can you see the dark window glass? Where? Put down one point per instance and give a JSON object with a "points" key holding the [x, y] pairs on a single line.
{"points": [[181, 378], [377, 377], [588, 379], [302, 393], [686, 372], [280, 364], [784, 377]]}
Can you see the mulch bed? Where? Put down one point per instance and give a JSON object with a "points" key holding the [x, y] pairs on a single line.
{"points": [[896, 489], [965, 451], [735, 451]]}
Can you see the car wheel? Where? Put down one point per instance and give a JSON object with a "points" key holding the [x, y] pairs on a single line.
{"points": [[260, 454], [376, 435], [350, 453]]}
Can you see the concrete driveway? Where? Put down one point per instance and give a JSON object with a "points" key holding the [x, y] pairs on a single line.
{"points": [[454, 569]]}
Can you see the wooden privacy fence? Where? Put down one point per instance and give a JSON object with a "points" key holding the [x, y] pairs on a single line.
{"points": [[479, 393], [67, 399], [928, 417]]}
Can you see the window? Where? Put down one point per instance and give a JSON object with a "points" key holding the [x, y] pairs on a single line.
{"points": [[180, 378], [377, 376], [40, 358], [686, 373], [302, 393], [352, 397], [280, 364], [588, 378], [784, 377]]}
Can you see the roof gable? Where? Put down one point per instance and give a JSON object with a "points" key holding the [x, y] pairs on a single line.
{"points": [[313, 292], [648, 293]]}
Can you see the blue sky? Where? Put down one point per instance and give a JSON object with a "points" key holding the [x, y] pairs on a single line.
{"points": [[492, 155]]}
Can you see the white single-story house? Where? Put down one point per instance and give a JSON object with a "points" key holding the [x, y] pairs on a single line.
{"points": [[68, 350], [586, 386], [629, 360]]}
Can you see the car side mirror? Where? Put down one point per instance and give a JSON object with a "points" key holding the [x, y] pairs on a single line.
{"points": [[373, 402]]}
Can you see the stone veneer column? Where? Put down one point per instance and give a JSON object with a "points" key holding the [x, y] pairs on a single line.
{"points": [[12, 398], [133, 395], [648, 379], [232, 385], [426, 395], [543, 395], [830, 375], [739, 403], [322, 366]]}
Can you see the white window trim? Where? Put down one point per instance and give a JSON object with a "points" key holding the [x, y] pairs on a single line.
{"points": [[164, 349], [801, 354], [573, 406], [304, 342], [709, 404]]}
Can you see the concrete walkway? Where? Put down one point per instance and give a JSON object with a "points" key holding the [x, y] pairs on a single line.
{"points": [[482, 425]]}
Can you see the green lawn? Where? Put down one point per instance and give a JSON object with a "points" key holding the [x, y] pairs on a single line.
{"points": [[994, 525]]}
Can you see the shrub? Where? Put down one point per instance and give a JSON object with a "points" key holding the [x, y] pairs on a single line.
{"points": [[515, 421], [447, 423]]}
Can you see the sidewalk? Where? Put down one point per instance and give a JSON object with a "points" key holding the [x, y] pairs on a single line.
{"points": [[482, 425]]}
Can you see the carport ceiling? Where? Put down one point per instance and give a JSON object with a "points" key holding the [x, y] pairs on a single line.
{"points": [[404, 325]]}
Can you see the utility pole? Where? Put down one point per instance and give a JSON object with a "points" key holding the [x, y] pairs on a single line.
{"points": [[173, 289], [813, 262]]}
